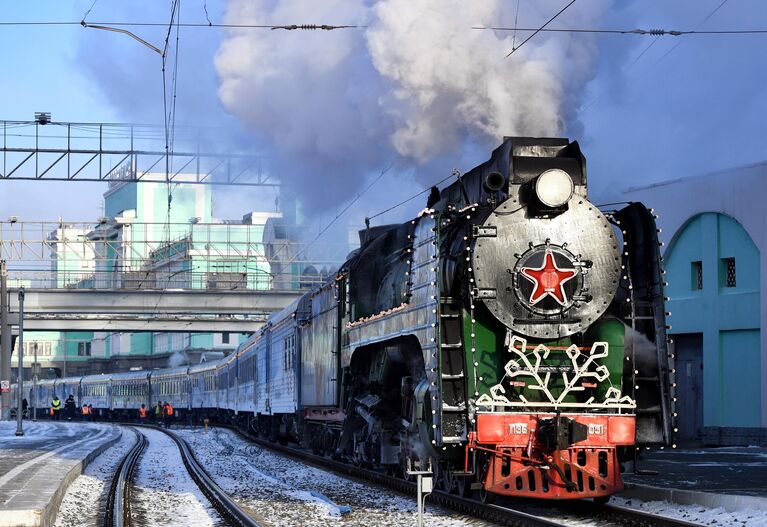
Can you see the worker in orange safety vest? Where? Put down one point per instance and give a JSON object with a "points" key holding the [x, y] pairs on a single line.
{"points": [[167, 413]]}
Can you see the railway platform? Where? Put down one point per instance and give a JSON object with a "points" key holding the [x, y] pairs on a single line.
{"points": [[37, 468], [730, 477]]}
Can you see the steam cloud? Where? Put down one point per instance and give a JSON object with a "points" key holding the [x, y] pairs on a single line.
{"points": [[417, 87]]}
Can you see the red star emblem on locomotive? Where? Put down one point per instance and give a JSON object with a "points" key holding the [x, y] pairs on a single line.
{"points": [[548, 279]]}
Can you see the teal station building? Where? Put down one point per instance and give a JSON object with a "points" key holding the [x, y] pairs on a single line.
{"points": [[146, 240], [714, 229]]}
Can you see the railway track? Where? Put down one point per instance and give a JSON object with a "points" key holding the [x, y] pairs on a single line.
{"points": [[118, 511], [513, 514]]}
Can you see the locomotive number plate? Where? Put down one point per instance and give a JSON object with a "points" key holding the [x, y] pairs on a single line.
{"points": [[518, 428], [596, 430]]}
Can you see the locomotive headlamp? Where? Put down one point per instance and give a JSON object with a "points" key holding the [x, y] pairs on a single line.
{"points": [[554, 187]]}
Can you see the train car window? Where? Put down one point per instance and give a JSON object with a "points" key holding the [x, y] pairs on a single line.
{"points": [[286, 360]]}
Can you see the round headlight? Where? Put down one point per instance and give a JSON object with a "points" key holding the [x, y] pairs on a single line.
{"points": [[554, 187]]}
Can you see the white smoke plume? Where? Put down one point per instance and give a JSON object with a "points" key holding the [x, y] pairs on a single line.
{"points": [[418, 87]]}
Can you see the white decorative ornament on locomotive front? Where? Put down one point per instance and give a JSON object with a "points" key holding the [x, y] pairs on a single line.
{"points": [[538, 377]]}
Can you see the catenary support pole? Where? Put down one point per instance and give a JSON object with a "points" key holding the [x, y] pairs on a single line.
{"points": [[20, 376], [5, 343], [33, 400]]}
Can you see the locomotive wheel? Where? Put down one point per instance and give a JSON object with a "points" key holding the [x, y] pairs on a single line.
{"points": [[463, 486], [447, 481], [486, 496], [441, 478]]}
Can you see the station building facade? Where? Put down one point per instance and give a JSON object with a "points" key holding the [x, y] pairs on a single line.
{"points": [[142, 242], [714, 229]]}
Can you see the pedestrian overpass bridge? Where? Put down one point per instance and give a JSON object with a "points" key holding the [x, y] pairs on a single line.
{"points": [[135, 310]]}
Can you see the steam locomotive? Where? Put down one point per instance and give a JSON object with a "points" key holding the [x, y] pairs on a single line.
{"points": [[512, 333]]}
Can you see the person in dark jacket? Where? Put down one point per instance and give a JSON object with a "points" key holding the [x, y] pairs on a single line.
{"points": [[70, 406]]}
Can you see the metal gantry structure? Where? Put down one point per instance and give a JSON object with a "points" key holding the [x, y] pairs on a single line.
{"points": [[71, 151], [122, 254]]}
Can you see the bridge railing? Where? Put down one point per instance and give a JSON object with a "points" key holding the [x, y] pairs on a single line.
{"points": [[151, 280], [125, 254]]}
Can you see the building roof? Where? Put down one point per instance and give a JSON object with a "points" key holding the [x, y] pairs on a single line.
{"points": [[736, 171]]}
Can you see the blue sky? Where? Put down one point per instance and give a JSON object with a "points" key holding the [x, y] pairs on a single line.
{"points": [[700, 108]]}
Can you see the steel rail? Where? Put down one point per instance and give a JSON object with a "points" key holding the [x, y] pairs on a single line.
{"points": [[643, 518], [117, 511], [494, 513], [229, 510]]}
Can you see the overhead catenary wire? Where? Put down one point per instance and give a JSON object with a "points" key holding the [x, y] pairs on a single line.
{"points": [[328, 27], [167, 116], [516, 19], [646, 48], [411, 198], [205, 8], [706, 19], [549, 21], [88, 12], [304, 27], [635, 31], [339, 214]]}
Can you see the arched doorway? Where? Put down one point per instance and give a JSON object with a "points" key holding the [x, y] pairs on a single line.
{"points": [[712, 268]]}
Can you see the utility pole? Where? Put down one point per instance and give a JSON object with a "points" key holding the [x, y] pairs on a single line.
{"points": [[5, 343], [34, 389], [20, 376]]}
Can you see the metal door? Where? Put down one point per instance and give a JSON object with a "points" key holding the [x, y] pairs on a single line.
{"points": [[689, 385]]}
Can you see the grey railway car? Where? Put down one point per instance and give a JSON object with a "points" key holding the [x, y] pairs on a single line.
{"points": [[69, 386], [172, 386], [203, 387], [94, 390], [45, 391], [318, 327], [42, 397], [262, 344], [282, 364], [225, 374], [127, 392], [245, 377]]}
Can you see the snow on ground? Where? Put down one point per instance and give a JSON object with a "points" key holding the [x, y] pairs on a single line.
{"points": [[697, 513], [85, 498], [42, 430], [164, 492], [276, 489]]}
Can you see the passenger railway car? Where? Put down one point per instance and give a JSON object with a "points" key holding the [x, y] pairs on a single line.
{"points": [[203, 388], [172, 386], [94, 390], [69, 386], [127, 392], [513, 333]]}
